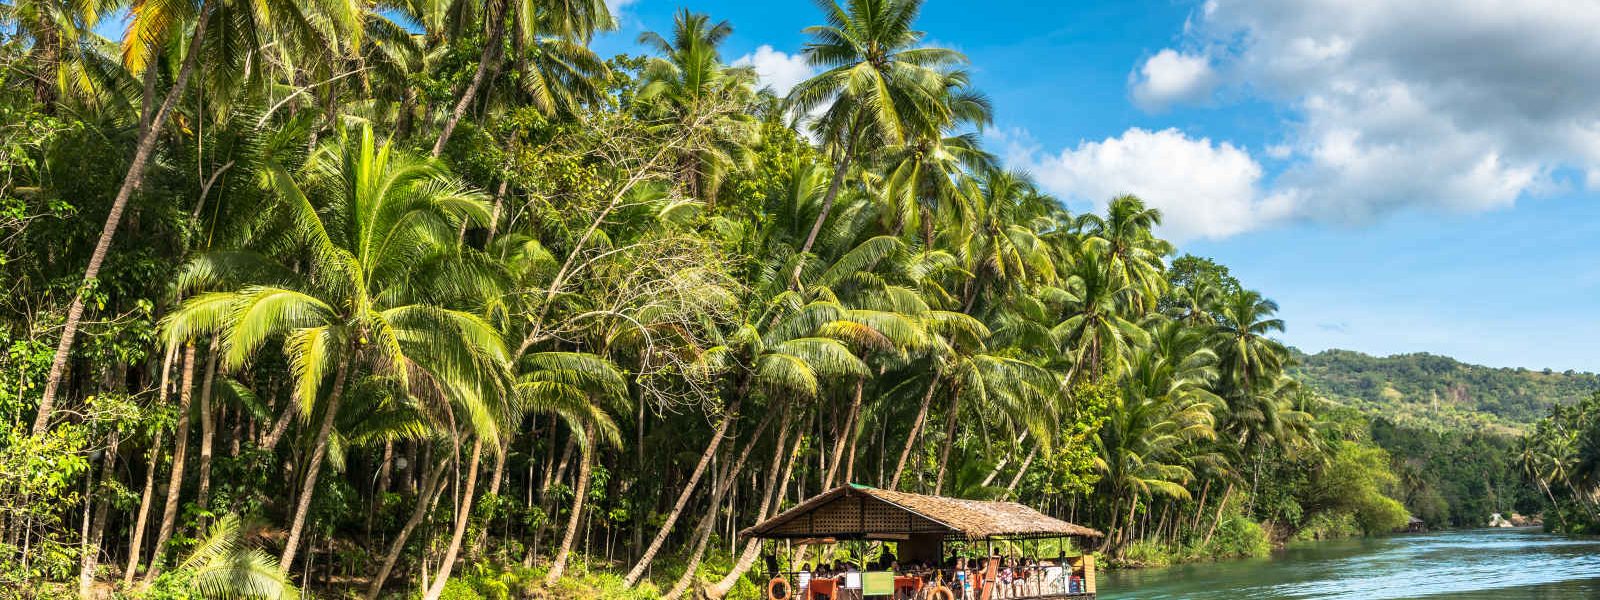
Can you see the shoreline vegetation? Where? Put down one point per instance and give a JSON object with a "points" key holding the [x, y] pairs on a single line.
{"points": [[428, 300]]}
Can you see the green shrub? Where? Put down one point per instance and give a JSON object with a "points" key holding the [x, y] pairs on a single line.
{"points": [[1239, 537]]}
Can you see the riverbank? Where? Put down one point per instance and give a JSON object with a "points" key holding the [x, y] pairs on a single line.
{"points": [[1236, 537]]}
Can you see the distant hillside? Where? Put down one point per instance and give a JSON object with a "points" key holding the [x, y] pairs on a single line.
{"points": [[1438, 391]]}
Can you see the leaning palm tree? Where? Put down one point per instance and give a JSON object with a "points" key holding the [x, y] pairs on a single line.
{"points": [[386, 292], [880, 86], [215, 30]]}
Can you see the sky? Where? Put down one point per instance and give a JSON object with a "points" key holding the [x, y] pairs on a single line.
{"points": [[1400, 176]]}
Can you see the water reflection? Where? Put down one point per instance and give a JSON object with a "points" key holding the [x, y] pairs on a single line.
{"points": [[1479, 564]]}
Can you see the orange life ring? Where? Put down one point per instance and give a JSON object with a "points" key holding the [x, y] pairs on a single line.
{"points": [[778, 589], [940, 592]]}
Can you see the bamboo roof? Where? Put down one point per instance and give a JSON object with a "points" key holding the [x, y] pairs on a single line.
{"points": [[861, 512]]}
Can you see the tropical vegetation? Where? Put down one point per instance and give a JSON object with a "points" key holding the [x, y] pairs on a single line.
{"points": [[426, 298]]}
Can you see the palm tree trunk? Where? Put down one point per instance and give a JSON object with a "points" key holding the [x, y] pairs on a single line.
{"points": [[496, 477], [207, 432], [1226, 493], [911, 438], [582, 493], [839, 171], [949, 441], [688, 487], [97, 529], [46, 56], [843, 435], [1022, 470], [1553, 504], [463, 515], [314, 466], [1200, 508], [135, 544], [432, 484], [495, 14], [180, 451], [130, 183], [709, 519]]}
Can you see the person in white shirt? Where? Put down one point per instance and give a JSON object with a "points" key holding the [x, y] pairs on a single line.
{"points": [[803, 579]]}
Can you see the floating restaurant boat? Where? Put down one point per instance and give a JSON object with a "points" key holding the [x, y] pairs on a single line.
{"points": [[916, 532]]}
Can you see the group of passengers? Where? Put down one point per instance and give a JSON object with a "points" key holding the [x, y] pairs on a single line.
{"points": [[1014, 578]]}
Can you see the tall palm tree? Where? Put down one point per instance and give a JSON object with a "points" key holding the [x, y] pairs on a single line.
{"points": [[1098, 328], [218, 29], [386, 292], [1247, 356], [696, 90], [573, 20], [1125, 236], [879, 86], [1163, 405]]}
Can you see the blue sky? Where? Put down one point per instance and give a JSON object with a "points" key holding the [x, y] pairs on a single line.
{"points": [[1399, 176]]}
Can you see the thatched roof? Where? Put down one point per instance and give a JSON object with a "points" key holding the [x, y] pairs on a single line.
{"points": [[861, 512]]}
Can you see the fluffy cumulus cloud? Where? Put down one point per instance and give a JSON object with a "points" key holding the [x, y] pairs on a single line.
{"points": [[1171, 76], [1204, 189], [1453, 104], [777, 70]]}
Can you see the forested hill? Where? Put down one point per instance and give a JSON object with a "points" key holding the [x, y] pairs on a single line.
{"points": [[1438, 391]]}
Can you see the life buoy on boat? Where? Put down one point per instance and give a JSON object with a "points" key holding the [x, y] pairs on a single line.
{"points": [[940, 592], [778, 589]]}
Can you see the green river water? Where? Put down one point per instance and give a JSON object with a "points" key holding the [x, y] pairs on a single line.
{"points": [[1498, 564]]}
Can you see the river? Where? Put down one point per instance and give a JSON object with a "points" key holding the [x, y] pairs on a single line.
{"points": [[1498, 564]]}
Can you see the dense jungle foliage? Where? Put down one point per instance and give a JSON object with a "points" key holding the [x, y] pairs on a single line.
{"points": [[1428, 391], [426, 299], [1560, 458]]}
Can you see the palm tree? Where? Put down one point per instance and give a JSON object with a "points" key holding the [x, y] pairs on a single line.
{"points": [[1125, 236], [1163, 406], [386, 292], [153, 24], [1246, 355], [221, 566], [1001, 244], [925, 174], [61, 41], [585, 390], [693, 86], [1097, 329], [573, 20], [879, 87]]}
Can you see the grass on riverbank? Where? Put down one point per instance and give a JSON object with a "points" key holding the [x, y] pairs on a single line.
{"points": [[1236, 537]]}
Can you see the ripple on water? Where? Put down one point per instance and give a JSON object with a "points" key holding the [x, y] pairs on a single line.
{"points": [[1497, 564]]}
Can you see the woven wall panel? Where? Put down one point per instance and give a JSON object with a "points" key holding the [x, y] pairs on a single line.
{"points": [[855, 515]]}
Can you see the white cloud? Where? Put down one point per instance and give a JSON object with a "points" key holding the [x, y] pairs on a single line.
{"points": [[1204, 189], [616, 6], [778, 70], [1170, 77], [1460, 105]]}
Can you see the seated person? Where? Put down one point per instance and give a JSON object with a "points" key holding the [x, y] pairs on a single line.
{"points": [[803, 579]]}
